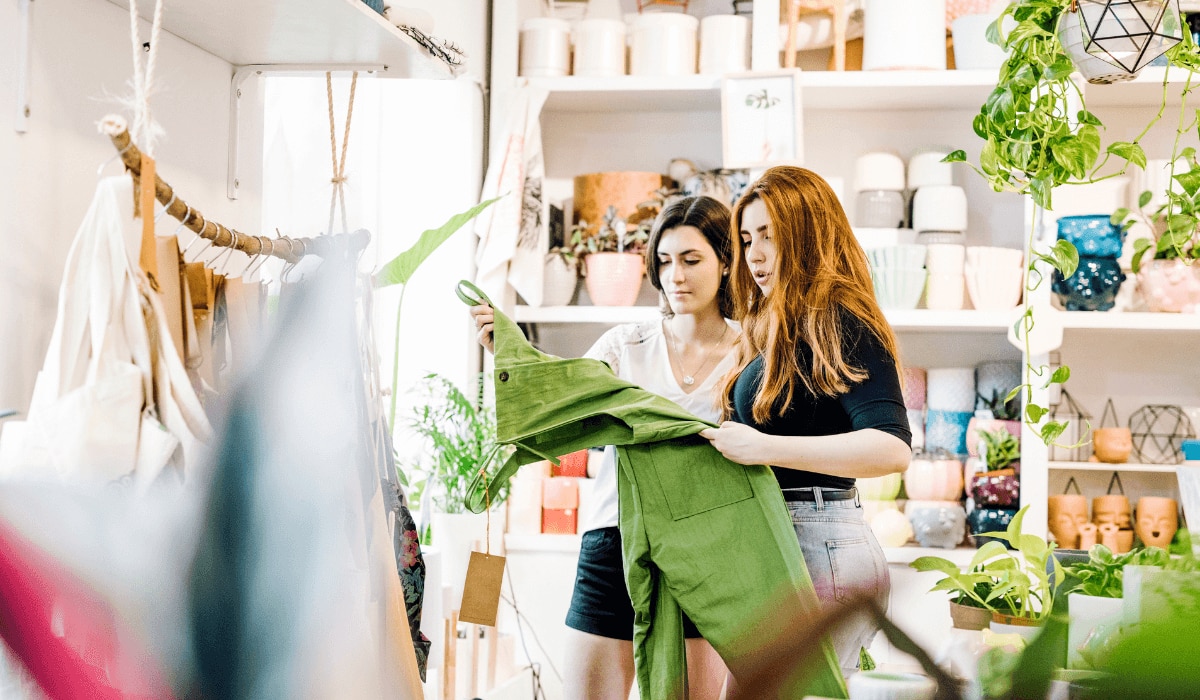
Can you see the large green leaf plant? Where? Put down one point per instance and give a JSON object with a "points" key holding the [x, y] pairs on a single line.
{"points": [[1039, 135]]}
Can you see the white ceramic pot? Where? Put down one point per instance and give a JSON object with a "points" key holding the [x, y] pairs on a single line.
{"points": [[940, 208], [945, 258], [663, 44], [545, 47], [724, 44], [1093, 69], [878, 171], [882, 685], [1087, 613], [972, 50], [950, 389], [994, 277], [926, 169], [599, 48], [904, 35], [945, 292], [614, 279], [559, 280], [898, 287]]}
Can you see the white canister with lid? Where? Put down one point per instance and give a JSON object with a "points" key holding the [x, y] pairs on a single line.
{"points": [[904, 35], [599, 48], [940, 208], [663, 44], [545, 47], [927, 168], [724, 44]]}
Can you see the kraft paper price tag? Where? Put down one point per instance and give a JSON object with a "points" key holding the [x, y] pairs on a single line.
{"points": [[481, 591], [146, 199]]}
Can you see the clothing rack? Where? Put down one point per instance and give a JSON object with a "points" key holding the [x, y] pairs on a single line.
{"points": [[284, 247]]}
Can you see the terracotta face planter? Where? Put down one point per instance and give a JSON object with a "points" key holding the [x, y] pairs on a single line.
{"points": [[1066, 513], [1112, 445], [1157, 521], [1112, 509]]}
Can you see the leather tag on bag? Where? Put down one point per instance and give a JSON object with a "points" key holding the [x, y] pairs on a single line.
{"points": [[481, 591]]}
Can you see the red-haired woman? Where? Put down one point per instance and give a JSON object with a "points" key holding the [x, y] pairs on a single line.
{"points": [[817, 393]]}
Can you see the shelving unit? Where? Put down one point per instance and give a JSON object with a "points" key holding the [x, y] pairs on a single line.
{"points": [[1105, 467], [1130, 322], [296, 32]]}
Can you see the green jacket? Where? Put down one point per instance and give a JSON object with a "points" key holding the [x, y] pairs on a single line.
{"points": [[699, 533]]}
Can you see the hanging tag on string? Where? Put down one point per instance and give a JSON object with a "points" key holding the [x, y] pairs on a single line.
{"points": [[485, 576], [148, 258]]}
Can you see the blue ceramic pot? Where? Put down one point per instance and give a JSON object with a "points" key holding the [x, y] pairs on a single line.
{"points": [[1093, 287], [1092, 235], [983, 520], [947, 431], [376, 5]]}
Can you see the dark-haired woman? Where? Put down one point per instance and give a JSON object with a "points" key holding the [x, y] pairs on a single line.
{"points": [[684, 357]]}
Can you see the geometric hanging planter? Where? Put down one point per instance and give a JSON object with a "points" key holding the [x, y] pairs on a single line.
{"points": [[1158, 433], [1127, 35]]}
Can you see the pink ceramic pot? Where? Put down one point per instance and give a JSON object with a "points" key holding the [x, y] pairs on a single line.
{"points": [[934, 480], [614, 279], [1171, 286]]}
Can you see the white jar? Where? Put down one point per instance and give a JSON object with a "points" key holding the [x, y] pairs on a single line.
{"points": [[663, 44], [927, 168], [878, 171], [545, 47], [724, 44], [940, 208], [599, 48], [904, 35]]}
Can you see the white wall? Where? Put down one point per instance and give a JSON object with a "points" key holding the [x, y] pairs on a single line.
{"points": [[81, 61]]}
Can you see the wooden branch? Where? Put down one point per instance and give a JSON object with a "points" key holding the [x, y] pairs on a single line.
{"points": [[289, 249]]}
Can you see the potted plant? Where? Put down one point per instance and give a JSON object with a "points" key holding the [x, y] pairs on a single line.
{"points": [[1094, 591], [560, 276], [999, 486], [1028, 583], [459, 439], [970, 588], [1170, 281], [998, 412], [613, 262], [1039, 135]]}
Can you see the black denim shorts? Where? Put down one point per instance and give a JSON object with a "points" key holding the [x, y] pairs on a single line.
{"points": [[600, 604]]}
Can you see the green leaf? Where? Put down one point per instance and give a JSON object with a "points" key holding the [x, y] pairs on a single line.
{"points": [[1131, 152], [1118, 216], [1084, 116], [1040, 188], [934, 564], [1034, 412], [400, 269], [1144, 198], [1190, 181], [1066, 257], [958, 156], [1016, 391], [1051, 431], [1089, 142], [1140, 246], [1000, 106], [988, 162], [1060, 376]]}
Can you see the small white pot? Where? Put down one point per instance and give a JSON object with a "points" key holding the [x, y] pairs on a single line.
{"points": [[559, 280], [1088, 612]]}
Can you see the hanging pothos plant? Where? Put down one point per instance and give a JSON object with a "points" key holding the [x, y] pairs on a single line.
{"points": [[1040, 135]]}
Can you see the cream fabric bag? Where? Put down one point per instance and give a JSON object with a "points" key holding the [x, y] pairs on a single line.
{"points": [[112, 398]]}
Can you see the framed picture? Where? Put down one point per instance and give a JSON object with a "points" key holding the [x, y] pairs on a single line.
{"points": [[761, 119]]}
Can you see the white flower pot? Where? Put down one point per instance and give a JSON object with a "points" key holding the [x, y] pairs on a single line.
{"points": [[1093, 69], [558, 282], [1088, 612]]}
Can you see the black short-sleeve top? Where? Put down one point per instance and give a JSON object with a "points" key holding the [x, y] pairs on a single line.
{"points": [[876, 402]]}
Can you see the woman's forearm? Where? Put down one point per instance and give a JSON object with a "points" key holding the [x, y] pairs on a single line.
{"points": [[858, 455]]}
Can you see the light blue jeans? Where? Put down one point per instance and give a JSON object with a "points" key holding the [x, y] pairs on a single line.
{"points": [[843, 559]]}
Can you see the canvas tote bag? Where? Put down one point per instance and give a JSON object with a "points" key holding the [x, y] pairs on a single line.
{"points": [[112, 398]]}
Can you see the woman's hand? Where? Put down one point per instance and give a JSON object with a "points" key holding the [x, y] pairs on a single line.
{"points": [[738, 442], [484, 319]]}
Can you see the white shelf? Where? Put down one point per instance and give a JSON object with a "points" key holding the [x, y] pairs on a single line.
{"points": [[316, 32], [1129, 321], [910, 553], [1105, 467], [1145, 91], [630, 93], [851, 90]]}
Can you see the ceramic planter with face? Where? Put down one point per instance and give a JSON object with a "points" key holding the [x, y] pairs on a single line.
{"points": [[1112, 445], [1157, 521], [937, 523], [1113, 509], [1066, 513]]}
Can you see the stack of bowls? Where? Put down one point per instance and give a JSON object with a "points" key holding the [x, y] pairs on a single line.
{"points": [[898, 273]]}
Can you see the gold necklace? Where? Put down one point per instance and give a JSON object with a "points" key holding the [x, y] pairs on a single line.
{"points": [[689, 378]]}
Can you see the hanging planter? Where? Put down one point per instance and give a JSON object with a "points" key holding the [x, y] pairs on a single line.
{"points": [[1111, 41]]}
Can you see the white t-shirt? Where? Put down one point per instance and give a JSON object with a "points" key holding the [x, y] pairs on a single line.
{"points": [[637, 352]]}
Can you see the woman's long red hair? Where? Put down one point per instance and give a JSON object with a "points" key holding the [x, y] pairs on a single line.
{"points": [[821, 274]]}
